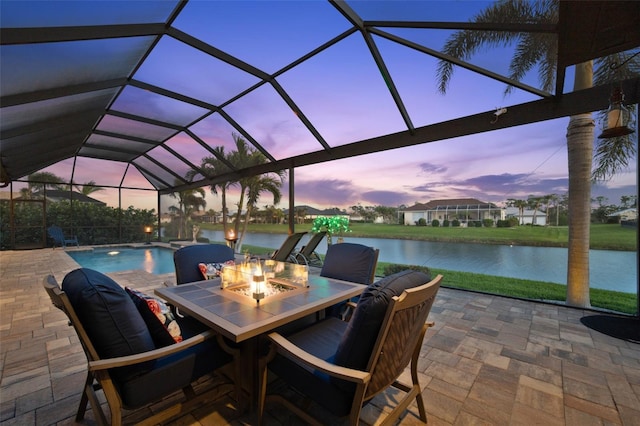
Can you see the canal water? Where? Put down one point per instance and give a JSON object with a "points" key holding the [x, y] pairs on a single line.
{"points": [[609, 270]]}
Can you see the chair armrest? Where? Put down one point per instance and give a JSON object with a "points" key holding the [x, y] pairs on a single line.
{"points": [[104, 364], [350, 307], [289, 350]]}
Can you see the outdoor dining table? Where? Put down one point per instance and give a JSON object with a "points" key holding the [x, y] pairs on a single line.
{"points": [[242, 319]]}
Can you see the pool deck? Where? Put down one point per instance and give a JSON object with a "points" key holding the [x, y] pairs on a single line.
{"points": [[489, 360]]}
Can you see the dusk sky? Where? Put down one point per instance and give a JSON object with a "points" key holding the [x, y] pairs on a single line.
{"points": [[343, 94]]}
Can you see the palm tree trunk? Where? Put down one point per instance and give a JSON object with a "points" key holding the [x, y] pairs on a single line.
{"points": [[223, 196], [245, 225], [521, 211], [236, 225], [580, 153]]}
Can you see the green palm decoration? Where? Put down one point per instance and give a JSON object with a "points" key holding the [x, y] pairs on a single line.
{"points": [[334, 225]]}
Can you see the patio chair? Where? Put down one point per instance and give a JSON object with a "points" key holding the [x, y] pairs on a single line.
{"points": [[55, 232], [284, 253], [187, 259], [133, 356], [307, 255], [349, 262], [342, 366]]}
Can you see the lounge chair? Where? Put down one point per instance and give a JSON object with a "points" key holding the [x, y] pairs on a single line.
{"points": [[308, 255], [285, 252], [55, 232]]}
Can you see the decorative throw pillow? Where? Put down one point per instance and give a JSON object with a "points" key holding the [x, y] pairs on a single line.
{"points": [[162, 324], [213, 270]]}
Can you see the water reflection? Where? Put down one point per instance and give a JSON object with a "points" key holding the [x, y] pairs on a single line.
{"points": [[149, 262], [610, 270]]}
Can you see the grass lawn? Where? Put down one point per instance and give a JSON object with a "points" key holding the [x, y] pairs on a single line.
{"points": [[527, 289]]}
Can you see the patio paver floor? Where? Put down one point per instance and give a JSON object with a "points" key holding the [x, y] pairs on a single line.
{"points": [[489, 360]]}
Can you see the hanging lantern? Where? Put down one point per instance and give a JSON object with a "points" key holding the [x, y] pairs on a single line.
{"points": [[618, 121]]}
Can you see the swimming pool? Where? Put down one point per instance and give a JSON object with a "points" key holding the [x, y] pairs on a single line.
{"points": [[155, 260]]}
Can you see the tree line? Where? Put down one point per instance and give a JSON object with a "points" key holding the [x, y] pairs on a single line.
{"points": [[556, 208]]}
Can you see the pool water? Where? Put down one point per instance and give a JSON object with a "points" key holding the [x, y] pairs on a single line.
{"points": [[155, 260]]}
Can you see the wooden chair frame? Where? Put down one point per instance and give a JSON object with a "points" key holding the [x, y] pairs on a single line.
{"points": [[98, 376], [375, 379]]}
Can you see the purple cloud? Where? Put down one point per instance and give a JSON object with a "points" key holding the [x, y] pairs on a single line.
{"points": [[432, 168]]}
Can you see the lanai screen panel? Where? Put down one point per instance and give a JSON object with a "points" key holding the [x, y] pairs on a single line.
{"points": [[296, 80]]}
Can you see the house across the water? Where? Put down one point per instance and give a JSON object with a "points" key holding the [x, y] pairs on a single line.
{"points": [[528, 217], [464, 210]]}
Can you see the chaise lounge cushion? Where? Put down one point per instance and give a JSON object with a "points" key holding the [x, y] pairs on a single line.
{"points": [[357, 342], [109, 317]]}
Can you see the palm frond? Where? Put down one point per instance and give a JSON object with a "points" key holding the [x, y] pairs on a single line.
{"points": [[527, 55], [612, 157], [530, 49], [616, 67], [547, 66], [464, 44]]}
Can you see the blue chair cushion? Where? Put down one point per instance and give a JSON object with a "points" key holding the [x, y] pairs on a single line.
{"points": [[110, 318], [173, 372], [321, 340], [116, 328], [187, 259], [362, 331], [349, 262]]}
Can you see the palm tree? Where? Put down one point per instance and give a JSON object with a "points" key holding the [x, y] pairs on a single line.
{"points": [[189, 200], [534, 203], [44, 180], [628, 201], [251, 187], [217, 164], [553, 199], [541, 50], [300, 214], [88, 188], [546, 201], [520, 204], [279, 215], [254, 187], [271, 214], [25, 194]]}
